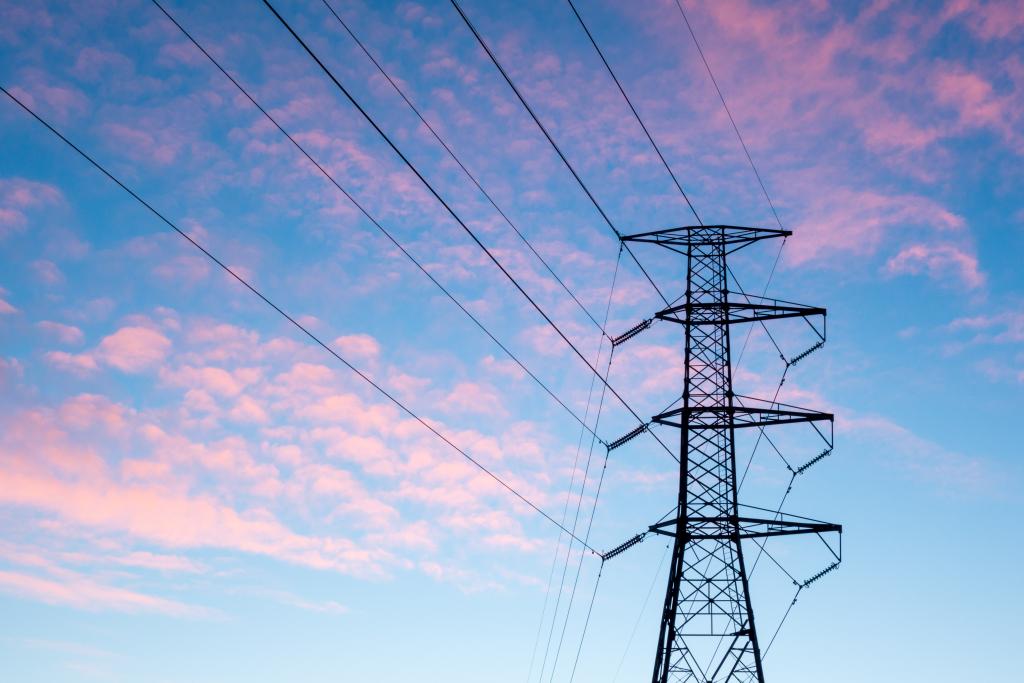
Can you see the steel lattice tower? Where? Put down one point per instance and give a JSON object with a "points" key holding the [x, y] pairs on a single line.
{"points": [[708, 633]]}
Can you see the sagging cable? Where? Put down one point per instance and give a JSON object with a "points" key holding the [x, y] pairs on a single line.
{"points": [[618, 550], [800, 356], [622, 440], [632, 332], [813, 461]]}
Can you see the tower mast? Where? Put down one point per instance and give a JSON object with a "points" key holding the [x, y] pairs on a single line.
{"points": [[707, 632]]}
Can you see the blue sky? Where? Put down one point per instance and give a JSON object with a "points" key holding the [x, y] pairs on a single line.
{"points": [[193, 491]]}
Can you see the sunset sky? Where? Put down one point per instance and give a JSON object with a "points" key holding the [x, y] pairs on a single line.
{"points": [[192, 490]]}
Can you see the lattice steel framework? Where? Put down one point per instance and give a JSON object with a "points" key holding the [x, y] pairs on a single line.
{"points": [[707, 632]]}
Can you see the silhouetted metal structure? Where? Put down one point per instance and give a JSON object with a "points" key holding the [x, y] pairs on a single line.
{"points": [[707, 630]]}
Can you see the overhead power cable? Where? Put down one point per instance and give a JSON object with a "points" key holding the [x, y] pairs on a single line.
{"points": [[568, 494], [461, 165], [579, 502], [426, 183], [586, 624], [590, 526], [661, 156], [554, 145], [721, 97], [632, 108], [746, 151], [639, 617], [377, 224], [245, 283]]}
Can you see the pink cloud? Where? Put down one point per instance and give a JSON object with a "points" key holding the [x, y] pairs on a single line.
{"points": [[358, 346], [920, 457], [77, 591], [248, 409], [212, 379], [843, 220], [474, 397], [133, 349], [78, 364], [1000, 328], [350, 409], [185, 269], [62, 101], [978, 105], [18, 196], [10, 368], [941, 262], [370, 453], [48, 272], [94, 63], [161, 147], [503, 368], [66, 334], [174, 520], [996, 19], [86, 411], [309, 377], [158, 561]]}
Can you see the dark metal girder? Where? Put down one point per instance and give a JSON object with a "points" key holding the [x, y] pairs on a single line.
{"points": [[759, 312], [681, 238], [732, 527], [742, 416]]}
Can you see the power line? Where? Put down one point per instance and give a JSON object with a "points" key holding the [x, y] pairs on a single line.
{"points": [[639, 617], [721, 97], [590, 526], [461, 165], [679, 186], [384, 231], [746, 151], [554, 145], [593, 512], [586, 623], [568, 496], [590, 523], [657, 149], [635, 112], [290, 319], [452, 213]]}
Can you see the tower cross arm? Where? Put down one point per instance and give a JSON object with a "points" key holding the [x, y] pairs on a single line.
{"points": [[737, 527], [730, 312], [683, 237]]}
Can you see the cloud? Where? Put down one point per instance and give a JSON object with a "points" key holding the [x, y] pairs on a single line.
{"points": [[133, 349], [78, 364], [1006, 327], [87, 411], [996, 19], [474, 398], [183, 270], [358, 346], [946, 263], [174, 520], [954, 472], [212, 379], [83, 593], [66, 334], [850, 221], [48, 272], [161, 147]]}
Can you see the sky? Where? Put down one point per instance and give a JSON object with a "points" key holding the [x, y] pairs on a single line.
{"points": [[193, 490]]}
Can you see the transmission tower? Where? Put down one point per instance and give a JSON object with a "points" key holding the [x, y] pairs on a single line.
{"points": [[707, 633]]}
